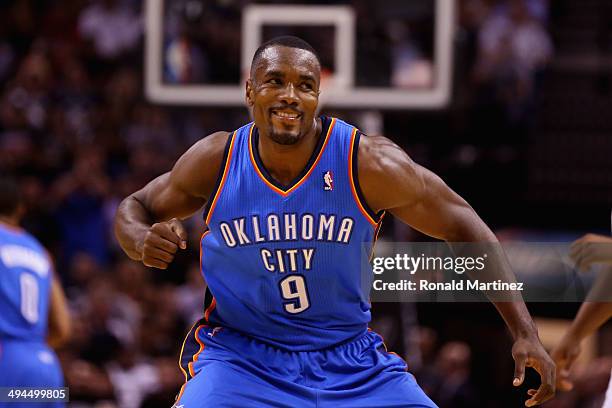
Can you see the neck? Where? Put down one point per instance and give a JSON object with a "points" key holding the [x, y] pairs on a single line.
{"points": [[286, 162]]}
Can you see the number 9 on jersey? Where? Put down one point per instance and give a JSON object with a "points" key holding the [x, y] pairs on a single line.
{"points": [[294, 292]]}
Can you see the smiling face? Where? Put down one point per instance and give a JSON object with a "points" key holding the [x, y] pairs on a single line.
{"points": [[284, 93]]}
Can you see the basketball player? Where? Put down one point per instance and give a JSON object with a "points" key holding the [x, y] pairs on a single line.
{"points": [[291, 199], [32, 305], [586, 251]]}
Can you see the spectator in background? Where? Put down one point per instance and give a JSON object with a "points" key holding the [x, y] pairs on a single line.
{"points": [[21, 24], [82, 272], [75, 97], [150, 126], [184, 61], [539, 9], [111, 27], [38, 220], [133, 377], [29, 93], [513, 48], [452, 367], [122, 92], [409, 67], [446, 375], [26, 113], [79, 196], [7, 57]]}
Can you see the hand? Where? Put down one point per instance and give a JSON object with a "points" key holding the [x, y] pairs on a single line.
{"points": [[529, 352], [564, 356], [590, 249], [161, 243]]}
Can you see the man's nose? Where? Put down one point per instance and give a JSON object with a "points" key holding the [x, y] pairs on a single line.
{"points": [[289, 95]]}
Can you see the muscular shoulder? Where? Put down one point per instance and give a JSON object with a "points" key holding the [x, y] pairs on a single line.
{"points": [[387, 175], [196, 171]]}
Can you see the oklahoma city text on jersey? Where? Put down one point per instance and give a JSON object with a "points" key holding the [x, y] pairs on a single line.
{"points": [[286, 228]]}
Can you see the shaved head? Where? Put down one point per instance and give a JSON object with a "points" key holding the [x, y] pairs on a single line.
{"points": [[285, 41]]}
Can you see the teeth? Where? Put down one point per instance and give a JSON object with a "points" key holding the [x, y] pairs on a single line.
{"points": [[286, 115]]}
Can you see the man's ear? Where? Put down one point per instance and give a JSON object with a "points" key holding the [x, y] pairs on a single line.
{"points": [[249, 93]]}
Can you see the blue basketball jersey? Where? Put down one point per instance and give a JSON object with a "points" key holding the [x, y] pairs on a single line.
{"points": [[25, 285], [288, 265]]}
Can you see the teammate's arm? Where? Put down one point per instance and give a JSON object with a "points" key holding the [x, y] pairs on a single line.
{"points": [[59, 316], [591, 249], [594, 312], [147, 222], [422, 200], [592, 315]]}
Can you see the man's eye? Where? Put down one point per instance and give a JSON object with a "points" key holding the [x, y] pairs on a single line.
{"points": [[307, 86], [273, 81]]}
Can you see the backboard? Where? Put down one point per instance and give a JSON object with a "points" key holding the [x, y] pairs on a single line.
{"points": [[404, 61]]}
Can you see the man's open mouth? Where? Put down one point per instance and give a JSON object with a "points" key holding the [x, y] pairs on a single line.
{"points": [[287, 115]]}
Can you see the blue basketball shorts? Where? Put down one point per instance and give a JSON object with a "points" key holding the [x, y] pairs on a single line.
{"points": [[224, 368], [29, 364]]}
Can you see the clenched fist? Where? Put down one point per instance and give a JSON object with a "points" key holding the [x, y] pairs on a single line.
{"points": [[161, 243]]}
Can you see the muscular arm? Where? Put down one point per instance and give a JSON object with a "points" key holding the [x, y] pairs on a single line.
{"points": [[422, 200], [592, 315], [177, 194], [596, 310], [419, 197]]}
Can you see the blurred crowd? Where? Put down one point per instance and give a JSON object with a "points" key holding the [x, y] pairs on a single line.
{"points": [[512, 48], [78, 132]]}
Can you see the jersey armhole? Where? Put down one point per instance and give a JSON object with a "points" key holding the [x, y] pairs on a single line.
{"points": [[209, 208], [373, 217]]}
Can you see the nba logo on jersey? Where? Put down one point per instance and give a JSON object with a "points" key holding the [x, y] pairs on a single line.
{"points": [[328, 180]]}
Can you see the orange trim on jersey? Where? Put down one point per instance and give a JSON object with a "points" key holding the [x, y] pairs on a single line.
{"points": [[193, 360], [182, 351], [223, 178], [196, 355], [352, 178], [213, 303], [285, 193], [201, 239], [210, 309], [376, 232], [180, 393]]}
